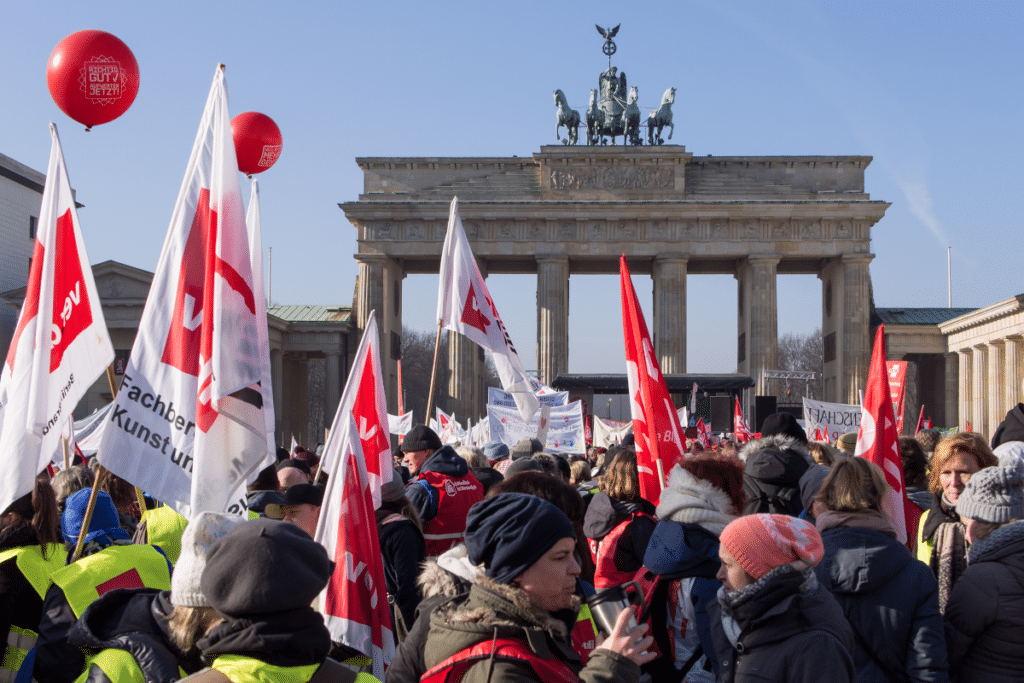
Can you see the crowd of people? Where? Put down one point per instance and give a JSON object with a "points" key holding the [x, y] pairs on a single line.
{"points": [[773, 560]]}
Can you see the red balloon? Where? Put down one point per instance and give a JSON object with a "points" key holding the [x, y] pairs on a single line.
{"points": [[93, 77], [257, 141]]}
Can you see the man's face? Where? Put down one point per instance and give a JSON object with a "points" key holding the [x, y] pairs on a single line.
{"points": [[414, 460], [303, 515]]}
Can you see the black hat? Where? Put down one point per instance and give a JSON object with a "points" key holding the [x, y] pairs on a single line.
{"points": [[264, 566], [526, 447], [785, 424], [511, 531], [419, 438], [523, 465], [296, 495]]}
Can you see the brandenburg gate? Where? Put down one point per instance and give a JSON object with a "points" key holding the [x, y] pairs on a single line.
{"points": [[575, 209]]}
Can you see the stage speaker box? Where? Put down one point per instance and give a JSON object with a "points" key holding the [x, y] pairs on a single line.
{"points": [[721, 413], [763, 407]]}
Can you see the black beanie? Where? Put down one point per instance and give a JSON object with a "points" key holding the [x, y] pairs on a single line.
{"points": [[264, 566], [421, 437], [785, 424], [511, 531]]}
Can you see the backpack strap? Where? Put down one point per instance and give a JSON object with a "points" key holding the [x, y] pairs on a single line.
{"points": [[455, 667], [432, 494]]}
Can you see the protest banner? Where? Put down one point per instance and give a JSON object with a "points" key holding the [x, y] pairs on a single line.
{"points": [[833, 419], [610, 433], [896, 374], [497, 397], [565, 427]]}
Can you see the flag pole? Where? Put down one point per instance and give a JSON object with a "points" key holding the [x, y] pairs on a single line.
{"points": [[84, 531], [433, 373], [67, 461]]}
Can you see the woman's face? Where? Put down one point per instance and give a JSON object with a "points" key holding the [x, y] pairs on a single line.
{"points": [[551, 580], [955, 475], [731, 574]]}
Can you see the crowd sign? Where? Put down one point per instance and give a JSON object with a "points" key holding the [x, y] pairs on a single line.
{"points": [[497, 397], [833, 419], [565, 427]]}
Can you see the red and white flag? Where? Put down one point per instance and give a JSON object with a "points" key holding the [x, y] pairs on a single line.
{"points": [[655, 423], [740, 429], [464, 305], [703, 434], [364, 399], [355, 602], [254, 228], [60, 345], [188, 425], [920, 421], [928, 423], [878, 441], [896, 371]]}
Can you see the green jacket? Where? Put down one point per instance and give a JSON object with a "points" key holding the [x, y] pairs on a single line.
{"points": [[500, 611]]}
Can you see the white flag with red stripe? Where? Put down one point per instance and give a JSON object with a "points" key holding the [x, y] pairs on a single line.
{"points": [[254, 228], [464, 305], [878, 441], [656, 430], [60, 345], [188, 425], [365, 400], [355, 602], [740, 429]]}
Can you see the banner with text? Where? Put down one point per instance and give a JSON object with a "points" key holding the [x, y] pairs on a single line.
{"points": [[834, 419], [497, 397], [565, 428], [896, 374]]}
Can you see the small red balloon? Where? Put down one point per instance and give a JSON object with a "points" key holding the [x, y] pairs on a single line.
{"points": [[257, 141], [93, 77]]}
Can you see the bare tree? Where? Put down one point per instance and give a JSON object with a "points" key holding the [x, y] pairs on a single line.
{"points": [[417, 361], [802, 353]]}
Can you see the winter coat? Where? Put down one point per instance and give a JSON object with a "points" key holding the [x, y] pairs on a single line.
{"points": [[1011, 428], [443, 492], [403, 551], [493, 610], [785, 627], [985, 613], [447, 577], [136, 622], [889, 598], [772, 469], [606, 513]]}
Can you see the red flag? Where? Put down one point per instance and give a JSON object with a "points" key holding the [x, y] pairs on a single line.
{"points": [[655, 422], [741, 431], [928, 423], [60, 344], [703, 434], [401, 399], [920, 421], [365, 400], [896, 370], [355, 603], [878, 441], [968, 425]]}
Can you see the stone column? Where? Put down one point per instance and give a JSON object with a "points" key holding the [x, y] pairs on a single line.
{"points": [[465, 366], [856, 325], [369, 287], [332, 385], [552, 316], [669, 274], [979, 390], [996, 389], [966, 386], [1014, 371], [758, 319], [952, 393], [297, 398], [379, 288], [911, 397], [277, 382]]}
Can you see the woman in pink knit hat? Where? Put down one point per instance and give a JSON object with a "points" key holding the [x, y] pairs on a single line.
{"points": [[772, 622]]}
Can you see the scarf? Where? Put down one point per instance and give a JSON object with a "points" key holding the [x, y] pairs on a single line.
{"points": [[949, 552], [865, 519]]}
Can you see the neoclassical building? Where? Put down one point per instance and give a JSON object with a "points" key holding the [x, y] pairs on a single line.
{"points": [[301, 337]]}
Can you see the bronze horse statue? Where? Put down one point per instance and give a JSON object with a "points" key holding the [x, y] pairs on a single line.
{"points": [[661, 117], [595, 120], [631, 119], [568, 117]]}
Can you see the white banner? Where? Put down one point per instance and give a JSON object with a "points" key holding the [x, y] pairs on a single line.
{"points": [[565, 427], [835, 419], [497, 397], [481, 432], [608, 433], [400, 424]]}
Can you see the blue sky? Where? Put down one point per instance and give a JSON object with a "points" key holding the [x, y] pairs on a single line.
{"points": [[931, 89]]}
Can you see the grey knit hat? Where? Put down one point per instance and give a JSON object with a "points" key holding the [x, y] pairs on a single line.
{"points": [[995, 494], [200, 534]]}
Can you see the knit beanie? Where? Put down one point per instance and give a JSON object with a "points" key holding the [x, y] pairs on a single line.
{"points": [[511, 531], [394, 489], [995, 494], [523, 465], [848, 442], [785, 424], [495, 450], [263, 566], [526, 447], [104, 525], [201, 532], [420, 438], [760, 543]]}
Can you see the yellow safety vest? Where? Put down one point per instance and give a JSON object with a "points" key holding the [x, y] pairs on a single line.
{"points": [[241, 669], [118, 665], [924, 546], [37, 570], [117, 566], [164, 527]]}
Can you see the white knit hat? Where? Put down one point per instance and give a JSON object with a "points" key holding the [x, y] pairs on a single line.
{"points": [[201, 532]]}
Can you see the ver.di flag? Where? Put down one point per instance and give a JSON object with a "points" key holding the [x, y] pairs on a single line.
{"points": [[60, 345], [354, 603], [878, 441], [187, 425], [254, 228], [655, 422], [740, 429], [464, 305]]}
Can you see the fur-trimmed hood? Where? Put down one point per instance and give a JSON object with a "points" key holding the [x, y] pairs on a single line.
{"points": [[449, 575], [689, 500], [779, 442]]}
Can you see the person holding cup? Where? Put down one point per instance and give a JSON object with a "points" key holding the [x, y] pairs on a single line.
{"points": [[514, 625]]}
